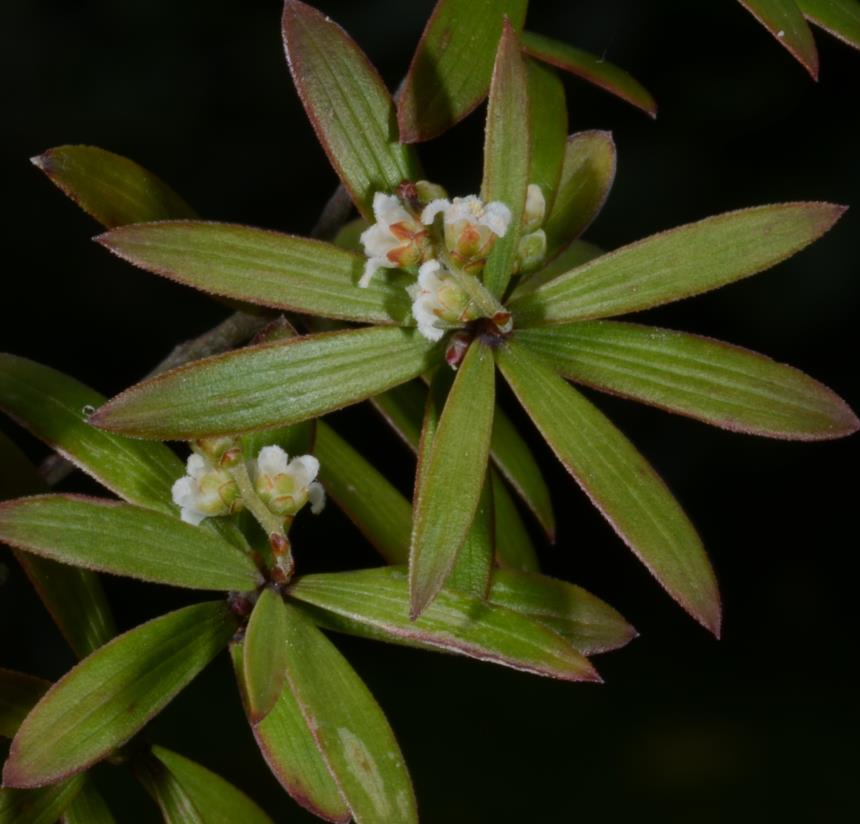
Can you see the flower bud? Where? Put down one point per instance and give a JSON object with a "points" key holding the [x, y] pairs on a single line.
{"points": [[531, 251], [285, 487], [222, 452], [438, 301], [535, 210], [427, 192], [205, 492]]}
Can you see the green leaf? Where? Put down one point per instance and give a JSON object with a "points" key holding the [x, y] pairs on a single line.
{"points": [[586, 178], [403, 410], [591, 625], [74, 597], [706, 379], [679, 263], [548, 123], [348, 105], [373, 603], [839, 17], [366, 496], [514, 547], [88, 807], [618, 480], [54, 406], [265, 654], [19, 693], [451, 69], [506, 153], [450, 473], [111, 188], [103, 701], [268, 385], [351, 731], [214, 800], [595, 70], [263, 267], [39, 806], [784, 20], [474, 564], [126, 540], [292, 753], [577, 253]]}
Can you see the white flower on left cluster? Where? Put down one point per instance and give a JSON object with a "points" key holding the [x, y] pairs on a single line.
{"points": [[284, 485], [397, 240], [438, 302], [205, 491]]}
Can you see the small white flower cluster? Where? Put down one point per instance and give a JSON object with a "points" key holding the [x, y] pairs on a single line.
{"points": [[400, 239], [284, 486]]}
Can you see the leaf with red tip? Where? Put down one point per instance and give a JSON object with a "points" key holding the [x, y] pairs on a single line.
{"points": [[450, 474], [784, 20], [265, 654], [111, 188], [706, 379], [506, 154], [677, 264], [188, 793], [595, 70], [548, 124], [841, 18], [618, 480], [268, 385], [450, 71], [39, 806], [74, 597], [291, 752], [19, 693], [349, 727], [109, 536], [263, 267], [591, 625], [374, 603], [348, 105], [586, 178], [99, 704]]}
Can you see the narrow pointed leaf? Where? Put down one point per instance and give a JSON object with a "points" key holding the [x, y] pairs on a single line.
{"points": [[573, 255], [88, 807], [292, 753], [514, 547], [217, 800], [111, 188], [618, 480], [839, 17], [38, 806], [366, 496], [706, 379], [474, 564], [506, 153], [373, 603], [126, 540], [591, 625], [263, 267], [74, 597], [595, 70], [784, 20], [99, 704], [265, 654], [269, 385], [679, 263], [173, 803], [451, 69], [19, 693], [350, 729], [548, 124], [586, 178], [450, 474], [351, 110], [403, 410]]}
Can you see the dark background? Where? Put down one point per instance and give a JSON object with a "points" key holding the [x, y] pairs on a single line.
{"points": [[758, 727]]}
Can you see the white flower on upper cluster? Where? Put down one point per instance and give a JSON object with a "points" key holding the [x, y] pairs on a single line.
{"points": [[471, 227], [535, 210], [205, 491], [284, 485], [438, 302], [397, 239]]}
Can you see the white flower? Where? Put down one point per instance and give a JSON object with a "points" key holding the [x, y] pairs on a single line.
{"points": [[204, 492], [286, 486], [396, 240], [438, 302], [471, 227], [535, 210]]}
